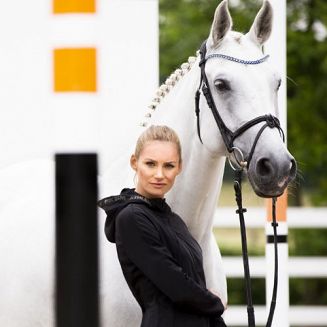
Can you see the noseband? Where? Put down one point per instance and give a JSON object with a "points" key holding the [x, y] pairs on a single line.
{"points": [[227, 135]]}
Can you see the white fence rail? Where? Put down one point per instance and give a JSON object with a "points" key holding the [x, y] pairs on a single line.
{"points": [[305, 267], [255, 217], [303, 316]]}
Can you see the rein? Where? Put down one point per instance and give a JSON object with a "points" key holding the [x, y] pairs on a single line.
{"points": [[240, 211], [242, 164]]}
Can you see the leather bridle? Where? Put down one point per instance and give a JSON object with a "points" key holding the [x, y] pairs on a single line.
{"points": [[227, 135], [243, 163]]}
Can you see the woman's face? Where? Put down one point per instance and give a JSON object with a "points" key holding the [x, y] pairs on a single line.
{"points": [[156, 168]]}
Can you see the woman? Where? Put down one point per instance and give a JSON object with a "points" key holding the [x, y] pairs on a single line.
{"points": [[161, 261]]}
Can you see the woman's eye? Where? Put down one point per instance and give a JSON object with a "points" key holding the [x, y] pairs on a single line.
{"points": [[150, 163], [170, 166], [222, 85]]}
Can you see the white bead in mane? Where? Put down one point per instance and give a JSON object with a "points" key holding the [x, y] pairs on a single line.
{"points": [[167, 86]]}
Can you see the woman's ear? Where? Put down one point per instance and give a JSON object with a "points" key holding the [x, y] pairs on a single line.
{"points": [[133, 162]]}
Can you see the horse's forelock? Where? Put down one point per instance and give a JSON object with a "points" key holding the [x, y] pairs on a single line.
{"points": [[237, 36]]}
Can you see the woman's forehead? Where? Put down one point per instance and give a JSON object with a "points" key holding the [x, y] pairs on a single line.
{"points": [[163, 150]]}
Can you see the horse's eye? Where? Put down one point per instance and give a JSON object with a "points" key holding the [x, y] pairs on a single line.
{"points": [[222, 85]]}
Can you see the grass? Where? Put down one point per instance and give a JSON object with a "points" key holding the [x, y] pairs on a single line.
{"points": [[229, 241], [227, 197]]}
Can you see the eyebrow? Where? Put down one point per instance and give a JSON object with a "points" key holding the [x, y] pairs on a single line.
{"points": [[156, 160]]}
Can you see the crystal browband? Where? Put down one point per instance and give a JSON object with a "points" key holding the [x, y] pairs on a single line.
{"points": [[240, 61]]}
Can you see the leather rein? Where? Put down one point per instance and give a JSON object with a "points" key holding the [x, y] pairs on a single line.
{"points": [[242, 164]]}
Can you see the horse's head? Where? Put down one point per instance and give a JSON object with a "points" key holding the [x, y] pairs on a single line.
{"points": [[242, 92]]}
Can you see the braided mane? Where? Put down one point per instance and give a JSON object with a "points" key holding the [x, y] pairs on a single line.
{"points": [[172, 80], [167, 86]]}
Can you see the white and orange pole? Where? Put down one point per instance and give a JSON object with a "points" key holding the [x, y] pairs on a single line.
{"points": [[276, 47], [74, 106]]}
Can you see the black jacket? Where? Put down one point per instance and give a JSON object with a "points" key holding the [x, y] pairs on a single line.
{"points": [[161, 262]]}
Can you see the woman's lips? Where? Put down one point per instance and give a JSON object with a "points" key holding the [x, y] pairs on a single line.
{"points": [[158, 184]]}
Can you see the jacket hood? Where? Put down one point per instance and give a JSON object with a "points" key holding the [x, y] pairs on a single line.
{"points": [[112, 205]]}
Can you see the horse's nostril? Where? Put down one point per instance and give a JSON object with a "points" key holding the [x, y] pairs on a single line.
{"points": [[264, 167], [293, 168]]}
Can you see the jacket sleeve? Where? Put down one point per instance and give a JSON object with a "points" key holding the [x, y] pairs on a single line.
{"points": [[141, 241]]}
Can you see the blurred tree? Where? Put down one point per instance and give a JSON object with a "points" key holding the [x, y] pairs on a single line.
{"points": [[184, 24], [308, 242], [307, 104]]}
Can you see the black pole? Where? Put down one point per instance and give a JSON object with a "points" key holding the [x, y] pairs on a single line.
{"points": [[77, 303]]}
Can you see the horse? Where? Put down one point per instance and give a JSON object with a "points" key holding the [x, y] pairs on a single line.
{"points": [[241, 90]]}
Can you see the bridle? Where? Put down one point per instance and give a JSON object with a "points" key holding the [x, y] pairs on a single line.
{"points": [[227, 135], [242, 164]]}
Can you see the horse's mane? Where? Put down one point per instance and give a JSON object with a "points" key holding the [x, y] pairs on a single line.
{"points": [[168, 85], [172, 80]]}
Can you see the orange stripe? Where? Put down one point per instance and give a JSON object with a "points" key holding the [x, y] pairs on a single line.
{"points": [[281, 208], [75, 70], [73, 6]]}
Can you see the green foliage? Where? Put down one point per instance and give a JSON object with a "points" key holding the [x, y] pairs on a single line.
{"points": [[306, 291], [237, 295], [307, 104], [307, 242], [185, 24]]}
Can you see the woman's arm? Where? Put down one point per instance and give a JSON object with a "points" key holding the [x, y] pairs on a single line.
{"points": [[141, 241]]}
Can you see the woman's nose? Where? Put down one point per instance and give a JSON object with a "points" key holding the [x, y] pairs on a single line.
{"points": [[159, 172]]}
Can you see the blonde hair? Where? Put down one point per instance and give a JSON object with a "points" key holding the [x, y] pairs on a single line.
{"points": [[158, 133]]}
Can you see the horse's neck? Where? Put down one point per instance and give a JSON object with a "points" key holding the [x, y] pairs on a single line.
{"points": [[196, 190], [195, 194]]}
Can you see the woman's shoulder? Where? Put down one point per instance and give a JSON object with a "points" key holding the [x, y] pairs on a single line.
{"points": [[135, 212], [136, 219]]}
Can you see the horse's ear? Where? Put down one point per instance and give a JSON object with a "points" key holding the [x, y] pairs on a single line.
{"points": [[262, 25], [222, 24]]}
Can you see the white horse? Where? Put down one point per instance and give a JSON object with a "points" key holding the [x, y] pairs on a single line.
{"points": [[241, 93]]}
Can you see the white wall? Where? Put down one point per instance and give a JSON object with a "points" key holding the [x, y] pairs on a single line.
{"points": [[35, 123], [125, 33]]}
